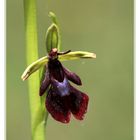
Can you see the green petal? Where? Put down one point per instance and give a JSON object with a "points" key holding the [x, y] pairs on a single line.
{"points": [[34, 67], [76, 55]]}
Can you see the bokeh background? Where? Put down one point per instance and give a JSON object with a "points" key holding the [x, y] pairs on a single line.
{"points": [[101, 26]]}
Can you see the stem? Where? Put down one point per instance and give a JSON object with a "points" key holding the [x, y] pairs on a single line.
{"points": [[38, 112]]}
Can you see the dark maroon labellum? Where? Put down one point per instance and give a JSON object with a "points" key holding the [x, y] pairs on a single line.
{"points": [[62, 98]]}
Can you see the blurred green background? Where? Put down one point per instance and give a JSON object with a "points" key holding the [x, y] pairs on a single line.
{"points": [[101, 26]]}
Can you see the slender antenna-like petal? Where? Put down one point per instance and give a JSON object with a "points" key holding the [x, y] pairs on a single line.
{"points": [[45, 84], [72, 76]]}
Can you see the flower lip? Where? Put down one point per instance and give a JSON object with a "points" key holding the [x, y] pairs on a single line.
{"points": [[61, 107]]}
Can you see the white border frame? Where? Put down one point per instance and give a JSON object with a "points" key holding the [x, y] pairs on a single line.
{"points": [[137, 69], [2, 70]]}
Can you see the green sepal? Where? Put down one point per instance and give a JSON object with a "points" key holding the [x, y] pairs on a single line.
{"points": [[34, 67], [52, 38], [76, 55]]}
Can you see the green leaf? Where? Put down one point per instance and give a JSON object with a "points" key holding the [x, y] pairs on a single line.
{"points": [[76, 55]]}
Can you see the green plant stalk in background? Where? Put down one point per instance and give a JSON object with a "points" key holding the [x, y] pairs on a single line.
{"points": [[37, 110]]}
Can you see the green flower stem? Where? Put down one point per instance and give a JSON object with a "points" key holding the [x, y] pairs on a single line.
{"points": [[37, 110]]}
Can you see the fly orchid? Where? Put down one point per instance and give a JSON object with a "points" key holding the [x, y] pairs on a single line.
{"points": [[62, 99]]}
